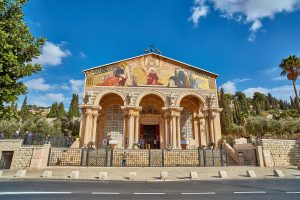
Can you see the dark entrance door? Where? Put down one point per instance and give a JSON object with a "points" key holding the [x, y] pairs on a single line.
{"points": [[150, 134], [6, 159]]}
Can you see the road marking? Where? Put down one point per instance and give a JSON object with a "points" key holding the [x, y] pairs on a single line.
{"points": [[148, 193], [250, 192], [293, 192], [199, 193], [105, 193], [17, 193]]}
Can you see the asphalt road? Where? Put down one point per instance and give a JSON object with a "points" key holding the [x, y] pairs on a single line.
{"points": [[268, 189]]}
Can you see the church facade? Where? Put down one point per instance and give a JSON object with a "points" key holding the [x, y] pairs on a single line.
{"points": [[150, 101]]}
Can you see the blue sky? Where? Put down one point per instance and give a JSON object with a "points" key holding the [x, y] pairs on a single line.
{"points": [[242, 41]]}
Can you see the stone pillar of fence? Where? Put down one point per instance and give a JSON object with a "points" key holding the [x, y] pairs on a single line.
{"points": [[40, 156], [260, 156]]}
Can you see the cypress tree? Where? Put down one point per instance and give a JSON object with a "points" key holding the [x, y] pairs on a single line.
{"points": [[24, 110], [61, 110], [53, 110], [226, 114], [73, 108]]}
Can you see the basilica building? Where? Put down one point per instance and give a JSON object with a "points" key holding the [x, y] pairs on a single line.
{"points": [[150, 101]]}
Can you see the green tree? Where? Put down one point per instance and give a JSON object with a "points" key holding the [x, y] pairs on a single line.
{"points": [[53, 110], [258, 102], [291, 68], [18, 48], [24, 112], [226, 114], [61, 112], [73, 108]]}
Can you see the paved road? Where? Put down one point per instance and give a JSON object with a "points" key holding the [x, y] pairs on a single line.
{"points": [[282, 189]]}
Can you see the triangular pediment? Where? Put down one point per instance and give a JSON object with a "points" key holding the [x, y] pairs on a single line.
{"points": [[149, 70]]}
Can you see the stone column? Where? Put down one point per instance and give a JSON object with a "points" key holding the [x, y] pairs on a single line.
{"points": [[178, 133], [202, 130], [137, 129], [166, 131], [94, 127], [130, 131], [174, 144], [88, 125]]}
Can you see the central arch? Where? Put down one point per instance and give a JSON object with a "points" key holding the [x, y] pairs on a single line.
{"points": [[150, 120]]}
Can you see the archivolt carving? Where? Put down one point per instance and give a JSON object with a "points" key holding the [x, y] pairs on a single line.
{"points": [[181, 96], [105, 92]]}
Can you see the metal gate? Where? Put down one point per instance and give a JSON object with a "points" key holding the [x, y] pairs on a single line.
{"points": [[243, 157], [6, 158]]}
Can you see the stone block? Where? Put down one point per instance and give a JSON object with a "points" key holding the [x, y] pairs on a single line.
{"points": [[132, 175], [1, 172], [223, 174], [193, 175], [163, 175], [21, 173], [47, 174], [102, 175], [251, 173], [74, 175], [278, 173]]}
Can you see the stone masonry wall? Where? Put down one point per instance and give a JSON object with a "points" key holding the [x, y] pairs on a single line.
{"points": [[281, 152], [25, 156]]}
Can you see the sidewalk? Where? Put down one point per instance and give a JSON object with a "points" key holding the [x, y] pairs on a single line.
{"points": [[153, 173]]}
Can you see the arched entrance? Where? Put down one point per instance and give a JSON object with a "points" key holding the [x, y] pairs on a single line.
{"points": [[189, 122], [151, 121], [110, 123]]}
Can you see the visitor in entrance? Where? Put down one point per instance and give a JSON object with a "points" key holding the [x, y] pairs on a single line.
{"points": [[155, 143], [124, 158], [142, 142]]}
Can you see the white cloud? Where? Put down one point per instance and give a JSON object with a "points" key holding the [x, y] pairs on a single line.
{"points": [[251, 11], [274, 74], [54, 97], [52, 54], [77, 85], [282, 92], [250, 91], [279, 78], [240, 80], [199, 10], [256, 25], [37, 84], [229, 87], [82, 54]]}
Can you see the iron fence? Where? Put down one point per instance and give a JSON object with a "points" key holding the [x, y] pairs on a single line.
{"points": [[146, 158], [38, 139]]}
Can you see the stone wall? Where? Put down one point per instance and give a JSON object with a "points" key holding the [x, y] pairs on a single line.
{"points": [[25, 156], [280, 152]]}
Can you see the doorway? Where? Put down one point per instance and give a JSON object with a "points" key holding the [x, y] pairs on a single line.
{"points": [[151, 136], [6, 159]]}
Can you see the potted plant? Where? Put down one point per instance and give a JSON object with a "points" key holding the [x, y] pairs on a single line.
{"points": [[211, 145]]}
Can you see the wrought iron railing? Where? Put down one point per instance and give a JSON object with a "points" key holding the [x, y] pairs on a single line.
{"points": [[140, 158]]}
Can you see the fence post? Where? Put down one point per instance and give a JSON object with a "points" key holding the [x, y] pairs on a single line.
{"points": [[226, 157], [49, 156], [149, 157], [106, 156], [82, 156], [111, 157], [204, 157], [221, 153], [87, 156], [213, 156], [199, 157], [162, 158]]}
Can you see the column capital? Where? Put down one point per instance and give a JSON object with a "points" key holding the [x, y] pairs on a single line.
{"points": [[131, 110]]}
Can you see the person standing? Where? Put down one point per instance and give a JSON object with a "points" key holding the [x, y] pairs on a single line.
{"points": [[1, 136], [124, 159], [17, 134]]}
